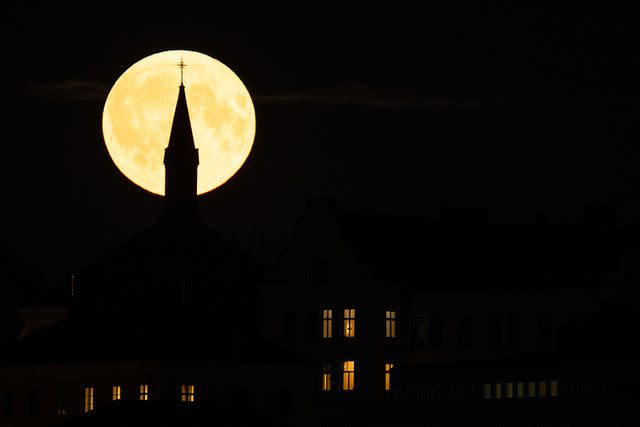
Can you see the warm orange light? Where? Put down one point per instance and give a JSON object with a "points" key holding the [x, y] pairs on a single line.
{"points": [[350, 322], [348, 375], [139, 110], [387, 376], [144, 392], [88, 399], [326, 377]]}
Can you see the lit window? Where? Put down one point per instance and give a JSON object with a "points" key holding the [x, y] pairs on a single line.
{"points": [[327, 324], [144, 392], [486, 391], [531, 392], [520, 390], [499, 391], [326, 376], [348, 372], [554, 389], [349, 322], [390, 322], [61, 410], [509, 390], [187, 393], [116, 392], [542, 388], [387, 375], [88, 399]]}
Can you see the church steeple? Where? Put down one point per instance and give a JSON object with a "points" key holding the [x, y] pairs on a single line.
{"points": [[181, 162]]}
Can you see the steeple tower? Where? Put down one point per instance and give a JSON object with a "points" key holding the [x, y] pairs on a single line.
{"points": [[181, 162]]}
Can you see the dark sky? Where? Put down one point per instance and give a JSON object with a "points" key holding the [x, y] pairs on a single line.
{"points": [[522, 111]]}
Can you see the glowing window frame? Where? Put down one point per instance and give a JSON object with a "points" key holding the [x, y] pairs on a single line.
{"points": [[348, 375], [387, 376], [188, 393], [326, 376], [143, 392], [349, 322], [390, 324], [327, 323], [88, 399]]}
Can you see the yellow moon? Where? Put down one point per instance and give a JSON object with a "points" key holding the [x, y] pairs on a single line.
{"points": [[138, 113]]}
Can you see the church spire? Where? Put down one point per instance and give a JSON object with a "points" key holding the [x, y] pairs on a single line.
{"points": [[181, 161]]}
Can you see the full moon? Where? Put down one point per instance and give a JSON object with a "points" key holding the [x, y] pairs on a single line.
{"points": [[138, 113]]}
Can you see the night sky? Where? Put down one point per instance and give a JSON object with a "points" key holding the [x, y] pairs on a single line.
{"points": [[526, 112]]}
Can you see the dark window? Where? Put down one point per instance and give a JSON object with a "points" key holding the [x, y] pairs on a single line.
{"points": [[319, 272], [513, 330], [7, 404], [326, 376], [418, 332], [495, 331], [33, 403], [239, 398], [545, 332], [310, 327], [466, 332], [327, 323], [435, 332], [286, 401], [289, 325]]}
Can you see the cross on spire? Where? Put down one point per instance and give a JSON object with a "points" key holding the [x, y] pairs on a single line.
{"points": [[182, 65]]}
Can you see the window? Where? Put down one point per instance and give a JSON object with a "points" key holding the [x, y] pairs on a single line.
{"points": [[495, 331], [435, 332], [33, 403], [187, 393], [418, 332], [289, 325], [542, 389], [349, 322], [7, 404], [144, 392], [545, 331], [348, 372], [116, 392], [520, 390], [509, 391], [326, 376], [60, 410], [327, 325], [486, 391], [88, 399], [466, 332], [513, 330], [390, 322], [310, 322], [387, 376]]}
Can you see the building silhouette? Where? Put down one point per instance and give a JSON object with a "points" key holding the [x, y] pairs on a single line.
{"points": [[364, 320]]}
